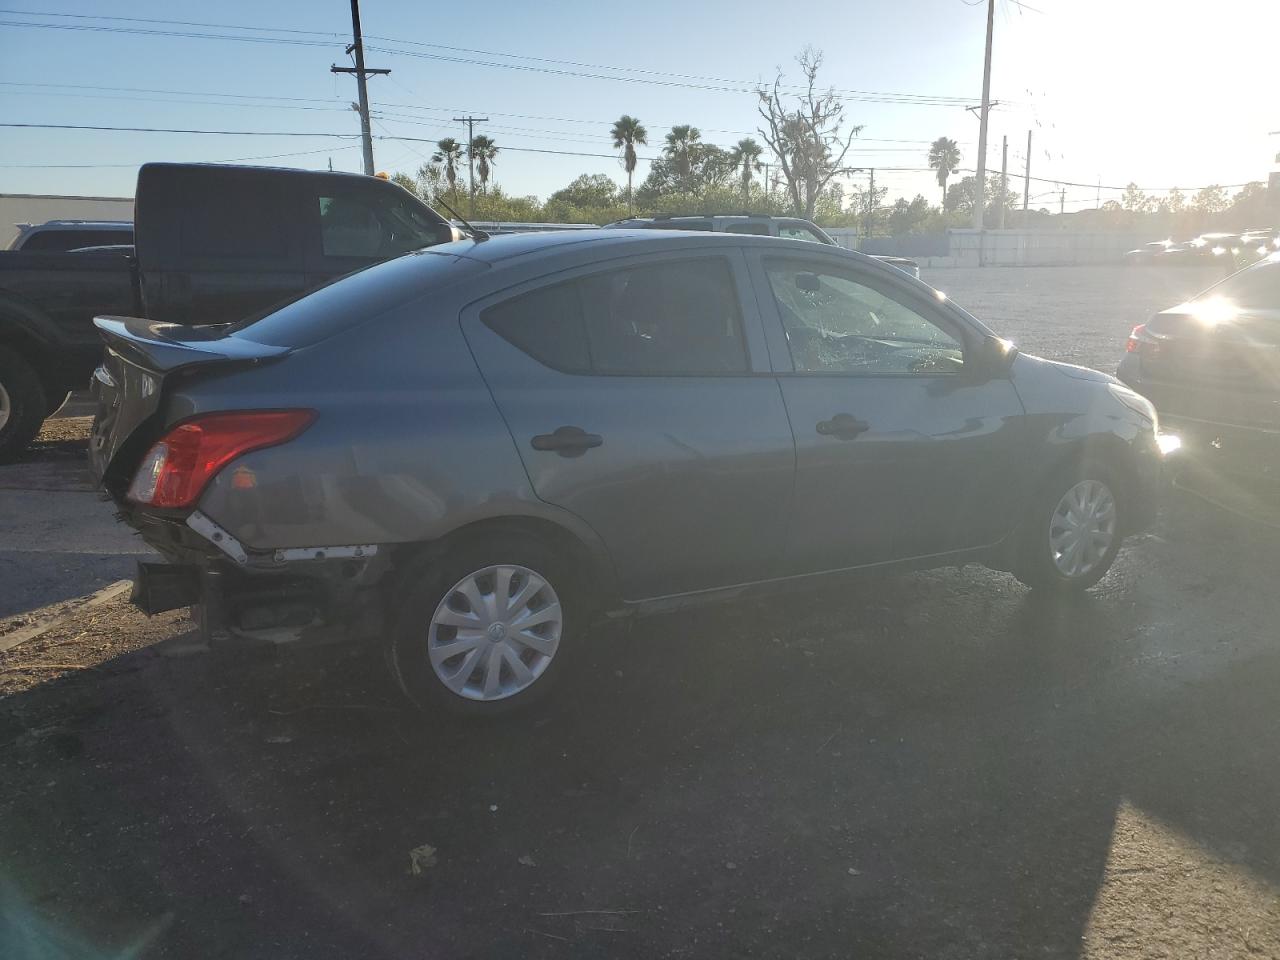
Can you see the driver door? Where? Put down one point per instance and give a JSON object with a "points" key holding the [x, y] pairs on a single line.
{"points": [[901, 453]]}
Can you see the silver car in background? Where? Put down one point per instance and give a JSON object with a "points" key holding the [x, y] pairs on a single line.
{"points": [[472, 452]]}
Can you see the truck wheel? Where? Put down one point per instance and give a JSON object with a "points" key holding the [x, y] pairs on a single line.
{"points": [[22, 404]]}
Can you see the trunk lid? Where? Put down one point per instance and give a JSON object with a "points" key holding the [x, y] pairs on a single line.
{"points": [[129, 385]]}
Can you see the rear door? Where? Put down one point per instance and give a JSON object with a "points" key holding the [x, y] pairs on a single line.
{"points": [[640, 398], [899, 453]]}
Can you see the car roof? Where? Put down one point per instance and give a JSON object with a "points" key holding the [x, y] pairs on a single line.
{"points": [[508, 246]]}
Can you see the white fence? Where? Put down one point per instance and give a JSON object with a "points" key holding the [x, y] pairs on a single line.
{"points": [[1029, 248]]}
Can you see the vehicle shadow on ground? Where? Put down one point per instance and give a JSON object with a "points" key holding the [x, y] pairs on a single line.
{"points": [[921, 766]]}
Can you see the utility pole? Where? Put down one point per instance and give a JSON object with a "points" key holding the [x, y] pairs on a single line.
{"points": [[980, 182], [1026, 182], [471, 159], [1097, 200], [357, 47], [1062, 201], [871, 202], [1004, 180]]}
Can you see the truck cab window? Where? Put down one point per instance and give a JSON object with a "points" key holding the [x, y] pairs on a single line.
{"points": [[372, 225]]}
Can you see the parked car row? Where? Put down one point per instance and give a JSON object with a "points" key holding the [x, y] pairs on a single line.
{"points": [[1230, 250]]}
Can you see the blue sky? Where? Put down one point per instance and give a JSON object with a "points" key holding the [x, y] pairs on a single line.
{"points": [[1163, 92]]}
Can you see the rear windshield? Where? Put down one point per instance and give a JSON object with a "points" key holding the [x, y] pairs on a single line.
{"points": [[355, 298]]}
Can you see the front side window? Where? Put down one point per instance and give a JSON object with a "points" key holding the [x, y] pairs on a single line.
{"points": [[836, 324], [754, 229], [666, 319]]}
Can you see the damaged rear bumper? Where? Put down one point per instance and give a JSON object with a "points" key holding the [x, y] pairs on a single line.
{"points": [[321, 594]]}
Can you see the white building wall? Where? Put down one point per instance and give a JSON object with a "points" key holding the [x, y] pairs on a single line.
{"points": [[18, 208]]}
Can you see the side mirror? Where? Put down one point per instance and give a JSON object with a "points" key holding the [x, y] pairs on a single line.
{"points": [[808, 282], [993, 358]]}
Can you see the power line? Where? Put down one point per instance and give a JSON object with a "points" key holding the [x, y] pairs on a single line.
{"points": [[746, 86], [342, 107], [107, 166], [183, 100], [722, 87], [163, 33], [611, 156], [181, 23], [224, 133], [185, 93]]}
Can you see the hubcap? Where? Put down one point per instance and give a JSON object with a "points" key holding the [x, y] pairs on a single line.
{"points": [[1082, 528], [5, 406], [495, 632]]}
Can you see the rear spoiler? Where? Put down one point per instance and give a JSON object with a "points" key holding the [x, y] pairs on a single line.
{"points": [[163, 347]]}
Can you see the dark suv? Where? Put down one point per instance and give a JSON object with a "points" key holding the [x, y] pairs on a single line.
{"points": [[494, 442]]}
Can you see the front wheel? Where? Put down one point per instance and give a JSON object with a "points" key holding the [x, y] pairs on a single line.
{"points": [[481, 631], [1072, 533]]}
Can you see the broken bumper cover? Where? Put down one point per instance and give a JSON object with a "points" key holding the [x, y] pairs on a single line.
{"points": [[322, 593]]}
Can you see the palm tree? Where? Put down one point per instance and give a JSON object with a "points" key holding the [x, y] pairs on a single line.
{"points": [[944, 156], [485, 153], [449, 152], [627, 133], [746, 155], [682, 143]]}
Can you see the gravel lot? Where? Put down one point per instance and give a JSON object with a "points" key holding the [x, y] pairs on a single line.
{"points": [[1078, 314], [934, 765]]}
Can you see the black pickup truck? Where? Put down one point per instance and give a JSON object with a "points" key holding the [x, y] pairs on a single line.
{"points": [[212, 244]]}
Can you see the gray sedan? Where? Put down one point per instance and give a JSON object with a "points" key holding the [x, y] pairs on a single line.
{"points": [[474, 452]]}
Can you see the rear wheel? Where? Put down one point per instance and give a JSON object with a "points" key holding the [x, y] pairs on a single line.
{"points": [[22, 404], [481, 631], [1072, 533]]}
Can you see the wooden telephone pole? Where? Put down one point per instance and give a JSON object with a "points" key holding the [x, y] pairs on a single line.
{"points": [[361, 71]]}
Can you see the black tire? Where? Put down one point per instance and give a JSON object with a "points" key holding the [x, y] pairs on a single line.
{"points": [[26, 403], [429, 580], [1035, 564]]}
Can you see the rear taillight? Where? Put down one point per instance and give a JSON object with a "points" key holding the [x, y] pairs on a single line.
{"points": [[1141, 340], [176, 470]]}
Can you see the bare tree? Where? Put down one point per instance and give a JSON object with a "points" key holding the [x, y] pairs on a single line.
{"points": [[807, 140]]}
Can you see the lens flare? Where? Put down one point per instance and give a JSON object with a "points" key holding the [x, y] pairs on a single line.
{"points": [[1214, 310]]}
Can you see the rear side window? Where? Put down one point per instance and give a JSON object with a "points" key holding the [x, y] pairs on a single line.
{"points": [[666, 319], [547, 325], [754, 229], [240, 220]]}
